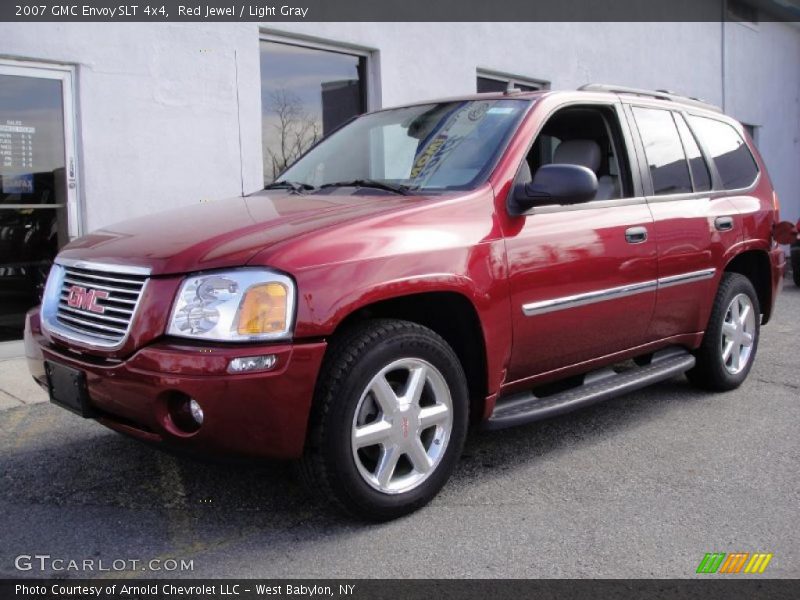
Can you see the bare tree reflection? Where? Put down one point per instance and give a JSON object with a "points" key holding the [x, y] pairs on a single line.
{"points": [[296, 129]]}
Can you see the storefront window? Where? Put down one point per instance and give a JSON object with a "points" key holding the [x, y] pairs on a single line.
{"points": [[33, 192], [305, 94], [489, 82]]}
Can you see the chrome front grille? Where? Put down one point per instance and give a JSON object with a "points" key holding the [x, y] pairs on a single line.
{"points": [[93, 303]]}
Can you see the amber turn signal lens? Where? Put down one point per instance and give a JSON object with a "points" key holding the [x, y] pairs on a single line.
{"points": [[263, 310]]}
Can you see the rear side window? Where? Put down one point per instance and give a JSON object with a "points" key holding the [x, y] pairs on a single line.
{"points": [[736, 166], [697, 164], [662, 146]]}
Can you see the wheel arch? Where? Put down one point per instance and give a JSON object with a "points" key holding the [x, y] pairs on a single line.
{"points": [[755, 265], [450, 314]]}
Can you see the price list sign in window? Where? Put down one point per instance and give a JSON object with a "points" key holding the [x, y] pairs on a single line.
{"points": [[16, 150]]}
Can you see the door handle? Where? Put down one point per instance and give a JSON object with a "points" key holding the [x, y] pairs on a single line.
{"points": [[723, 223], [636, 235]]}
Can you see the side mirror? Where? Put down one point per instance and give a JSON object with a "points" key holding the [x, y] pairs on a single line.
{"points": [[554, 184]]}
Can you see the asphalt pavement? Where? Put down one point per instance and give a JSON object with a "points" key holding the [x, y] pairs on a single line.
{"points": [[640, 486]]}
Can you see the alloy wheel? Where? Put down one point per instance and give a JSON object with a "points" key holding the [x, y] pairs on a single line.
{"points": [[738, 334], [401, 426]]}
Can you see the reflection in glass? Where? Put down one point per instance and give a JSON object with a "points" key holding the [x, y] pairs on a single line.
{"points": [[430, 147], [736, 166], [488, 84], [700, 175], [305, 94], [32, 193], [662, 145]]}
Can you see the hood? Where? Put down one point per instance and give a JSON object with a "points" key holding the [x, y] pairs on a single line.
{"points": [[224, 233]]}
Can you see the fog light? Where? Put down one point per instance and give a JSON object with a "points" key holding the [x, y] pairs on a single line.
{"points": [[196, 411], [185, 412], [244, 364]]}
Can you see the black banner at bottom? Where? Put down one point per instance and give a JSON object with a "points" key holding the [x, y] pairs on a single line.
{"points": [[369, 589]]}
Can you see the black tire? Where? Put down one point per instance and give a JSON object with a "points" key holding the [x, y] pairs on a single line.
{"points": [[329, 465], [794, 258], [710, 371]]}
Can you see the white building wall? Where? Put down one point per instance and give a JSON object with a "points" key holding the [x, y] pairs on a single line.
{"points": [[160, 125], [157, 109], [762, 88]]}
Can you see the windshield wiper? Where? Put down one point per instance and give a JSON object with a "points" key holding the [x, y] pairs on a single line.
{"points": [[294, 186], [373, 183]]}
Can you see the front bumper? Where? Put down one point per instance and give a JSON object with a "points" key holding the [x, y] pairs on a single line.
{"points": [[262, 414]]}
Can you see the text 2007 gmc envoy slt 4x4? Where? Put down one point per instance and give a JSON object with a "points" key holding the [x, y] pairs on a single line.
{"points": [[498, 258]]}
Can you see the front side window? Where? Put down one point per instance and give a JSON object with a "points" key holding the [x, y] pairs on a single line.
{"points": [[669, 171], [449, 145], [305, 94], [735, 164], [588, 136]]}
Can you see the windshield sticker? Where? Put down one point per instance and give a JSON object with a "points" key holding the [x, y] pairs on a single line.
{"points": [[500, 110], [451, 133]]}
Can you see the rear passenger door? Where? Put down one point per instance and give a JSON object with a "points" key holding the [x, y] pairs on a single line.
{"points": [[694, 226]]}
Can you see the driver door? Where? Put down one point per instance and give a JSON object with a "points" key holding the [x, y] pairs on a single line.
{"points": [[582, 277]]}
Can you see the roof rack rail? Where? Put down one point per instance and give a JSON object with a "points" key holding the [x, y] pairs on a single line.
{"points": [[658, 94]]}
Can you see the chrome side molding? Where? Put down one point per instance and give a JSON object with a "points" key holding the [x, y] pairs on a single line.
{"points": [[545, 306], [686, 278]]}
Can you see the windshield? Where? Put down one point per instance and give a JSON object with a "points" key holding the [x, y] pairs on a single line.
{"points": [[450, 145]]}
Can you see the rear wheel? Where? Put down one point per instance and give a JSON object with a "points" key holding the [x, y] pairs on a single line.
{"points": [[731, 339], [389, 419]]}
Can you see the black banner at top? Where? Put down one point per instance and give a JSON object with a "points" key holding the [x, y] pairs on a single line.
{"points": [[268, 11]]}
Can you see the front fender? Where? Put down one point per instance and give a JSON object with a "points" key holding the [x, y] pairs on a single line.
{"points": [[327, 295]]}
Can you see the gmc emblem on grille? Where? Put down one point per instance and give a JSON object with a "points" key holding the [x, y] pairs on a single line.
{"points": [[80, 297]]}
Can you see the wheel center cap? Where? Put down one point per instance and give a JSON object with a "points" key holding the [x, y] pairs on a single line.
{"points": [[406, 422]]}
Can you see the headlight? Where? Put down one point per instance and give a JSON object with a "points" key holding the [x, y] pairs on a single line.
{"points": [[232, 306]]}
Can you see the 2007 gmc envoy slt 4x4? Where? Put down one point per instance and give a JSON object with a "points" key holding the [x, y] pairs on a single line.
{"points": [[498, 258]]}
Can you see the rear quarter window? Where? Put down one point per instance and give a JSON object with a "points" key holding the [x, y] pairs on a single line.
{"points": [[735, 163]]}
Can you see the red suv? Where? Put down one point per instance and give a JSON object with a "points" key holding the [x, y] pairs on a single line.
{"points": [[497, 258]]}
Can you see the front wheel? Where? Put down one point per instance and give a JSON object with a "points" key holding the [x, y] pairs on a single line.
{"points": [[730, 342], [389, 420]]}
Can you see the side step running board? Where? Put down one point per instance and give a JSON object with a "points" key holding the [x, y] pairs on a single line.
{"points": [[599, 385]]}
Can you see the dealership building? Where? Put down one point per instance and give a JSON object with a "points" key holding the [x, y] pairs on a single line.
{"points": [[100, 122]]}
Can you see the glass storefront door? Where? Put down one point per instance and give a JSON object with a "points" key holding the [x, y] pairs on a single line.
{"points": [[38, 208]]}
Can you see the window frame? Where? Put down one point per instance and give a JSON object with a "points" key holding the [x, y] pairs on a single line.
{"points": [[538, 85], [484, 178], [638, 195], [645, 170], [372, 87], [67, 74], [703, 156], [717, 190], [712, 164]]}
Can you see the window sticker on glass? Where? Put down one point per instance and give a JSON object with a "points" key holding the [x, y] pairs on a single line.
{"points": [[500, 110], [446, 137], [18, 184]]}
